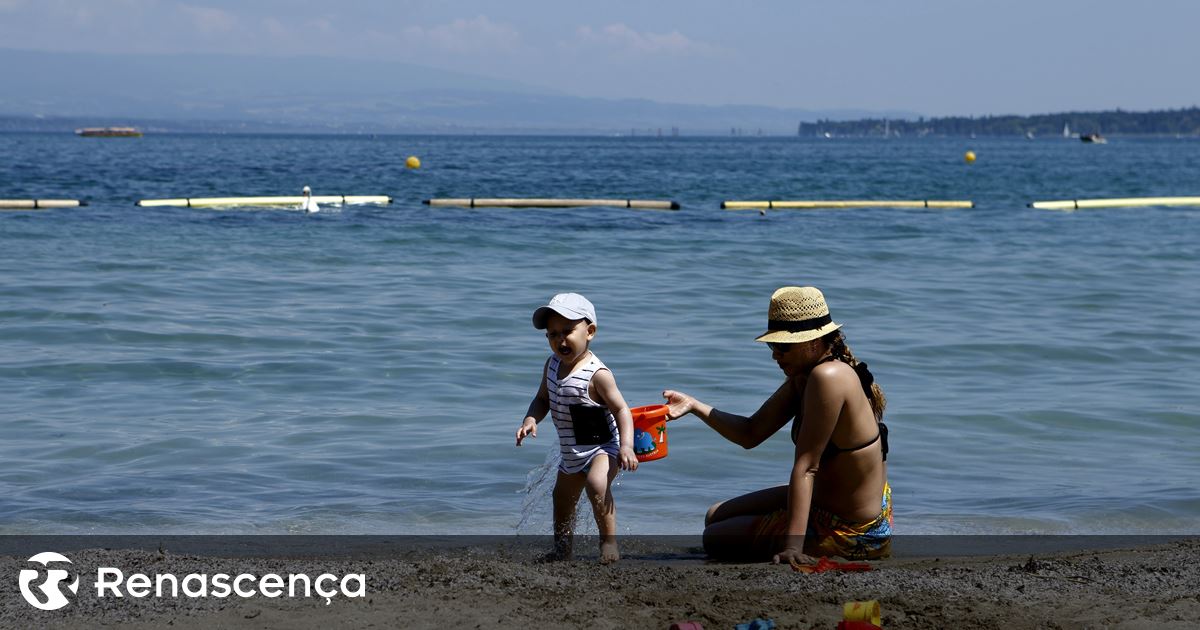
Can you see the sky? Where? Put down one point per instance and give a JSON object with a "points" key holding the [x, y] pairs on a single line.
{"points": [[934, 57]]}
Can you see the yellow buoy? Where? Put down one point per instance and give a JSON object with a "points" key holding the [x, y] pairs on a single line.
{"points": [[969, 157], [412, 162]]}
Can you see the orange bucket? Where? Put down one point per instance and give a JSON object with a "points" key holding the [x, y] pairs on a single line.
{"points": [[649, 432]]}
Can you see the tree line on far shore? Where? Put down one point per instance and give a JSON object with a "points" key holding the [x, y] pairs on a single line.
{"points": [[1171, 122]]}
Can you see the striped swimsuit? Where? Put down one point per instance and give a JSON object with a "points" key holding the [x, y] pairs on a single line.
{"points": [[585, 428]]}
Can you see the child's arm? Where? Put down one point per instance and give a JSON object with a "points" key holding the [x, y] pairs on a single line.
{"points": [[607, 393], [538, 408]]}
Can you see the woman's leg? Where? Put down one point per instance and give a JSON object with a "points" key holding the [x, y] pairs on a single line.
{"points": [[755, 503], [733, 528], [599, 493]]}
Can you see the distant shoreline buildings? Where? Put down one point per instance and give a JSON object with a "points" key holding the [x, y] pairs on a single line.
{"points": [[109, 132], [1171, 122]]}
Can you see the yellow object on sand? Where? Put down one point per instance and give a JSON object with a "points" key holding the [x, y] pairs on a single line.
{"points": [[867, 611]]}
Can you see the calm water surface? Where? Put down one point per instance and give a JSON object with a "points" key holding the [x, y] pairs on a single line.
{"points": [[363, 370]]}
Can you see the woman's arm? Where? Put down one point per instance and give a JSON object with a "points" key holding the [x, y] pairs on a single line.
{"points": [[743, 431]]}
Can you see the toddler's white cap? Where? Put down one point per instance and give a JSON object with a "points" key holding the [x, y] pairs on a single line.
{"points": [[569, 305]]}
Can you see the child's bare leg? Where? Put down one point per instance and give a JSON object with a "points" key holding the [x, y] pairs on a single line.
{"points": [[599, 492], [566, 496]]}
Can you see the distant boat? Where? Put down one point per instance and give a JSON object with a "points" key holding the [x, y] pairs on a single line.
{"points": [[109, 132], [1093, 138]]}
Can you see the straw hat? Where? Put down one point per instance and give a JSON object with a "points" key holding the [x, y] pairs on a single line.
{"points": [[797, 314]]}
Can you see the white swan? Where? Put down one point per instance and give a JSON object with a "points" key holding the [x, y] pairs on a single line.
{"points": [[309, 205]]}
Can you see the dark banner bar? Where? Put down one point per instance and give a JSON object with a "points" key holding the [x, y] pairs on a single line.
{"points": [[504, 582]]}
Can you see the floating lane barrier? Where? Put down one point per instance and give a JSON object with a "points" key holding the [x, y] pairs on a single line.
{"points": [[39, 204], [855, 203], [640, 204], [1131, 202], [234, 202]]}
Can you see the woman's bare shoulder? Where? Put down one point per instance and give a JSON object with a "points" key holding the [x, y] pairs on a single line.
{"points": [[832, 375], [832, 369]]}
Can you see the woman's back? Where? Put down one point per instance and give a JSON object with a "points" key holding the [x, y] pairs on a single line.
{"points": [[852, 471]]}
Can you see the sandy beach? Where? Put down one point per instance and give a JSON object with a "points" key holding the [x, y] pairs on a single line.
{"points": [[659, 581]]}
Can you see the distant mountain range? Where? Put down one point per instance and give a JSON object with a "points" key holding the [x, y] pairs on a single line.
{"points": [[49, 91], [45, 91]]}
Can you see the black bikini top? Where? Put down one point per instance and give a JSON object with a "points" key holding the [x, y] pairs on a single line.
{"points": [[831, 450]]}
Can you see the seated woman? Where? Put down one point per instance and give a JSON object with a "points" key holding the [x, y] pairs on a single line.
{"points": [[837, 501]]}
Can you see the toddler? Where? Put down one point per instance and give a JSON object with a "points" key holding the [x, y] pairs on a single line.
{"points": [[595, 427]]}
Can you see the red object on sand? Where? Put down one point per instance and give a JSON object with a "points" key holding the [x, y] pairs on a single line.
{"points": [[825, 564], [857, 625], [687, 625]]}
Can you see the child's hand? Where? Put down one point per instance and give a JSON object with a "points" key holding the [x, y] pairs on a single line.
{"points": [[528, 428], [629, 460], [678, 404]]}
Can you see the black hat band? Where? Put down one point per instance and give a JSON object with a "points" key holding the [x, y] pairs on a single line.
{"points": [[799, 326]]}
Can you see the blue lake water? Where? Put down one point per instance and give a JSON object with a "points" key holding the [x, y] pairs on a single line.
{"points": [[363, 370]]}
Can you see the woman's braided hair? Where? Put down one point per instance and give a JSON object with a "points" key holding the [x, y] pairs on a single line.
{"points": [[836, 343]]}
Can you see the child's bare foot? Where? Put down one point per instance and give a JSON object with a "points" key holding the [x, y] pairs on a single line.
{"points": [[557, 555], [608, 552], [563, 550]]}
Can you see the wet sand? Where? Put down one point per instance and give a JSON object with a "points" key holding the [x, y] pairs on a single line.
{"points": [[656, 583]]}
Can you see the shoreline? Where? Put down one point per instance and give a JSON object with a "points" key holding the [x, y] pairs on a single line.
{"points": [[1047, 582]]}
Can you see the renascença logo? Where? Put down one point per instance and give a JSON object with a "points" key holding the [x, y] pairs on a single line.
{"points": [[50, 586], [112, 582]]}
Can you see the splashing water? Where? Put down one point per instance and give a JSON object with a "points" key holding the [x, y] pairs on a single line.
{"points": [[537, 506]]}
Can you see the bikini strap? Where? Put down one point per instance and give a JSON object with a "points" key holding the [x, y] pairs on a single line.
{"points": [[864, 373]]}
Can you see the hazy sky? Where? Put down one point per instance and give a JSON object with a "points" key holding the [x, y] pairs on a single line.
{"points": [[935, 57]]}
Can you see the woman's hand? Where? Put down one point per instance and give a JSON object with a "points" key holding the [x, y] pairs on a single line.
{"points": [[794, 557], [678, 404]]}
